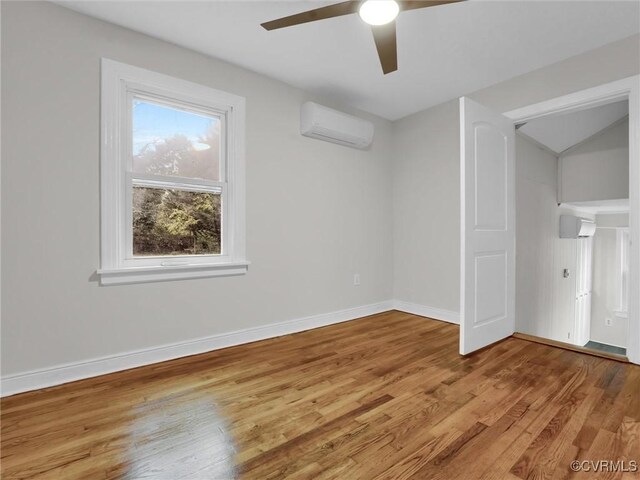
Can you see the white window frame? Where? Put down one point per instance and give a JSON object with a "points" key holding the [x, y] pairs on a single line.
{"points": [[120, 84]]}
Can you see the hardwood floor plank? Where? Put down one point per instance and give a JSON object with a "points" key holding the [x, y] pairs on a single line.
{"points": [[382, 397]]}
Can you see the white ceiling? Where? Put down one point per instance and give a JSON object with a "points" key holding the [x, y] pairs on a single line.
{"points": [[443, 52], [561, 132]]}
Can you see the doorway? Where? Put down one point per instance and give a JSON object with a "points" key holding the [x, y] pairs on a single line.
{"points": [[572, 210], [486, 313]]}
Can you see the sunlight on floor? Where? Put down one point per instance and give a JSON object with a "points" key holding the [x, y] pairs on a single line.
{"points": [[173, 439]]}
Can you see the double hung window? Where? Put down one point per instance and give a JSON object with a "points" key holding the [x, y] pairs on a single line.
{"points": [[172, 166]]}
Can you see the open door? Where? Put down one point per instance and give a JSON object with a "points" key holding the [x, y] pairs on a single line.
{"points": [[487, 263]]}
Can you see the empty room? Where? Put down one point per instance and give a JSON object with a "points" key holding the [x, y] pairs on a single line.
{"points": [[377, 239]]}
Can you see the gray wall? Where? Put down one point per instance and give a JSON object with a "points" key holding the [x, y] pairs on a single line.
{"points": [[611, 62], [435, 274], [426, 205], [545, 299], [316, 212], [597, 169], [536, 237]]}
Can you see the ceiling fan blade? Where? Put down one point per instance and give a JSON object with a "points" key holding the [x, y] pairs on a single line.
{"points": [[330, 11], [385, 38], [414, 4]]}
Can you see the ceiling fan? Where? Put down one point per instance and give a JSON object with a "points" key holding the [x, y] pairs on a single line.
{"points": [[380, 14]]}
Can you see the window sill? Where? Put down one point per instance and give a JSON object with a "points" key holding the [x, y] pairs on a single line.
{"points": [[122, 276]]}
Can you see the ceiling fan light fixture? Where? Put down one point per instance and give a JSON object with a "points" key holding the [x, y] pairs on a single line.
{"points": [[379, 12]]}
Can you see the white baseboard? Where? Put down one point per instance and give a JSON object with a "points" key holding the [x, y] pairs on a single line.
{"points": [[425, 311], [48, 377], [36, 379]]}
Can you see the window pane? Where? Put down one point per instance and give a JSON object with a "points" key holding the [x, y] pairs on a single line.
{"points": [[175, 222], [169, 141]]}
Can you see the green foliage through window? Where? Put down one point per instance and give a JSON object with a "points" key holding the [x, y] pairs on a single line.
{"points": [[175, 222]]}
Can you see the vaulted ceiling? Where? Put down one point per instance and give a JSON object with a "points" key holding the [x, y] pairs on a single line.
{"points": [[560, 132], [443, 52]]}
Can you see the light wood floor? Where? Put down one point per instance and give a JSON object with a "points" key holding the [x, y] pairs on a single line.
{"points": [[384, 397]]}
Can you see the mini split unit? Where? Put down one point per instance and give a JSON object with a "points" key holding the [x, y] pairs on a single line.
{"points": [[574, 227], [333, 126]]}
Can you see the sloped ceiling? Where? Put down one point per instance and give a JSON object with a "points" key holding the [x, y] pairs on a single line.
{"points": [[558, 133]]}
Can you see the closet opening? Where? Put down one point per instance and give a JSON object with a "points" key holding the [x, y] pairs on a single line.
{"points": [[572, 228]]}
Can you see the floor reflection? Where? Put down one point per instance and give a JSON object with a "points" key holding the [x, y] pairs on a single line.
{"points": [[175, 439]]}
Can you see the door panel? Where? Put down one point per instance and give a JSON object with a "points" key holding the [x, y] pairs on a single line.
{"points": [[490, 179], [491, 288], [487, 165]]}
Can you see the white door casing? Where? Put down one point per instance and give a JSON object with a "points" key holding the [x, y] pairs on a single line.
{"points": [[487, 264]]}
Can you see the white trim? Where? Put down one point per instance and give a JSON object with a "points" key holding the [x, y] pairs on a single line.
{"points": [[70, 372], [170, 270], [591, 97], [119, 81], [426, 311], [628, 88]]}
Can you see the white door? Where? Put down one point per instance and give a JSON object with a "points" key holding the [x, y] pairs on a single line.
{"points": [[487, 283]]}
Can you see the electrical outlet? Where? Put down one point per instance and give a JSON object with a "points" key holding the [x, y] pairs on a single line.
{"points": [[356, 279], [608, 322]]}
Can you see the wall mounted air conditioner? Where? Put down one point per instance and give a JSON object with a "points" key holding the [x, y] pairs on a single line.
{"points": [[333, 126], [574, 227]]}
